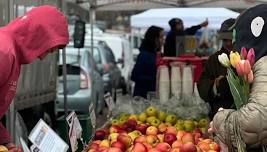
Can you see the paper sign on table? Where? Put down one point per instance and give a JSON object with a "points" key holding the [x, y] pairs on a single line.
{"points": [[75, 130], [46, 139], [110, 102]]}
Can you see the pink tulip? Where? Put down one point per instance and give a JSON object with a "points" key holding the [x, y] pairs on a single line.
{"points": [[251, 56], [240, 68], [247, 67], [250, 77], [244, 53]]}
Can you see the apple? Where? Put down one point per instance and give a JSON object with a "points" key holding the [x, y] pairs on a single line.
{"points": [[132, 123], [155, 122], [142, 117], [154, 150], [169, 138], [151, 111], [171, 130], [177, 144], [189, 125], [125, 139], [160, 137], [152, 130], [148, 146], [188, 147], [96, 142], [204, 146], [214, 146], [93, 150], [150, 119], [203, 123], [118, 145], [100, 134], [208, 141], [114, 129], [162, 115], [162, 127], [142, 128], [104, 143], [133, 116], [115, 122], [122, 120], [139, 147], [164, 147], [179, 126], [114, 149], [188, 137], [175, 150], [94, 146], [103, 149], [152, 139], [180, 134], [171, 119], [113, 137], [140, 139], [134, 134]]}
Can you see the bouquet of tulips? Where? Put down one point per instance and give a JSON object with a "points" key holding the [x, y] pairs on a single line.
{"points": [[239, 74]]}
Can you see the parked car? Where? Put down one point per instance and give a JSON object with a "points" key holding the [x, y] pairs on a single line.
{"points": [[84, 82], [120, 46]]}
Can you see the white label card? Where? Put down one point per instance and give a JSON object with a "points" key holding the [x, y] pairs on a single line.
{"points": [[110, 102], [75, 130], [46, 139]]}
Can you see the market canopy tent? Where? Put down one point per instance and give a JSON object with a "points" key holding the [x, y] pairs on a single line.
{"points": [[190, 17]]}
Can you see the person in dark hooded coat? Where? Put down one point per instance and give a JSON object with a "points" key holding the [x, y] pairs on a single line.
{"points": [[212, 84], [145, 69], [177, 29]]}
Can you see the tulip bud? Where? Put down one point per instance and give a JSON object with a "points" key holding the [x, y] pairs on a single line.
{"points": [[234, 58], [250, 77], [247, 67], [244, 53], [224, 60], [240, 68], [251, 56]]}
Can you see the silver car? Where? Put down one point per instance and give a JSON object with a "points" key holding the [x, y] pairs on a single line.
{"points": [[84, 83]]}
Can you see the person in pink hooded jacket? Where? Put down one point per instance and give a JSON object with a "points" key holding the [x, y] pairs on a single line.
{"points": [[39, 32]]}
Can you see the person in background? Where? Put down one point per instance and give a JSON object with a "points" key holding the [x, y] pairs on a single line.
{"points": [[145, 69], [40, 31], [245, 129], [212, 84], [177, 29]]}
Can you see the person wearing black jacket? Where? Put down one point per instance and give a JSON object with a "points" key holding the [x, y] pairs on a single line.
{"points": [[212, 84], [177, 29], [144, 72]]}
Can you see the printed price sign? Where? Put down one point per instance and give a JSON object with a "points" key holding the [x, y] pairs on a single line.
{"points": [[92, 114], [46, 140], [75, 130], [110, 102]]}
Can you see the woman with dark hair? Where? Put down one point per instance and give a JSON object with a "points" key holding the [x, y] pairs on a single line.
{"points": [[145, 69]]}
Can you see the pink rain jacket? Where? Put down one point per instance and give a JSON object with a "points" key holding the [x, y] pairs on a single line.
{"points": [[21, 41]]}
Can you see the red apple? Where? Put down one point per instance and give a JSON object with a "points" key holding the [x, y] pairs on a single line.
{"points": [[152, 130], [177, 144], [140, 139], [125, 140], [92, 150], [188, 137], [169, 138], [139, 147], [204, 146], [132, 123], [164, 147], [114, 149], [142, 128], [180, 134], [118, 144], [100, 134], [154, 150], [188, 147], [171, 129], [175, 150], [214, 146], [115, 129], [94, 146], [103, 149], [162, 127], [152, 139], [148, 146]]}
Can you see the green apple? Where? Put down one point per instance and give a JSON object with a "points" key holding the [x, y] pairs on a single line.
{"points": [[133, 116], [150, 119], [162, 115], [115, 122], [156, 122], [142, 117], [151, 111], [189, 125], [203, 123], [179, 126], [170, 119]]}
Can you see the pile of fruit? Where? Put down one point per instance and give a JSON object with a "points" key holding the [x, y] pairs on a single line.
{"points": [[3, 149], [153, 131]]}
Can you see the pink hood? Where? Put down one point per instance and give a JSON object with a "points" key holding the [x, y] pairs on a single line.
{"points": [[36, 32]]}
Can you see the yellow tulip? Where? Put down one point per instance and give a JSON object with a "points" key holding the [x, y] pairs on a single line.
{"points": [[234, 58]]}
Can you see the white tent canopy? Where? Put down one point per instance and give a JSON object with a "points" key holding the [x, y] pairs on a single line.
{"points": [[190, 17]]}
